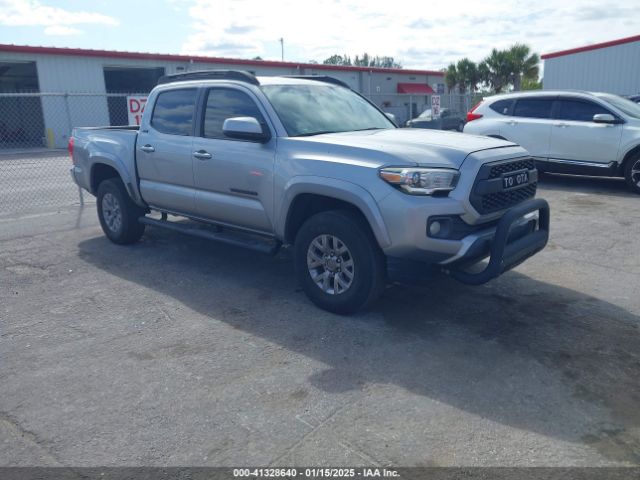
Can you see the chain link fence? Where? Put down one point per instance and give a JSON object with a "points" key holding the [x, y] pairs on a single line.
{"points": [[405, 107], [35, 130], [34, 134]]}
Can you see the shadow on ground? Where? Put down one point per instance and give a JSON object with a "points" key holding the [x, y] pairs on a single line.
{"points": [[520, 352]]}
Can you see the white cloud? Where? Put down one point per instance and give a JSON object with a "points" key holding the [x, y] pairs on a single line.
{"points": [[422, 36], [57, 21], [61, 30]]}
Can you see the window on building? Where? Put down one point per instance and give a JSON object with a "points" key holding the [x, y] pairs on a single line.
{"points": [[223, 103], [173, 112]]}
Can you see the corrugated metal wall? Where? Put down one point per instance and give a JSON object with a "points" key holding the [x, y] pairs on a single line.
{"points": [[613, 69], [79, 74]]}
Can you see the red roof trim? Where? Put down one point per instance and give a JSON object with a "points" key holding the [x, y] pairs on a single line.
{"points": [[595, 46], [414, 88], [81, 52]]}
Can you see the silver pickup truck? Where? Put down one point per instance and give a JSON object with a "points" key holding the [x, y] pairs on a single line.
{"points": [[263, 162]]}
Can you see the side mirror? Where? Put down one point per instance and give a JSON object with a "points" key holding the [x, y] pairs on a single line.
{"points": [[392, 117], [245, 128], [604, 118], [444, 114]]}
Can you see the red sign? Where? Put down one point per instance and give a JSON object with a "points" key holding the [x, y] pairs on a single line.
{"points": [[135, 108]]}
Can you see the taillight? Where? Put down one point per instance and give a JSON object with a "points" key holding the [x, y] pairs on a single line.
{"points": [[70, 148], [474, 116]]}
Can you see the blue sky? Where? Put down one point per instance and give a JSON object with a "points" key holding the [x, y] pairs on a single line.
{"points": [[417, 35]]}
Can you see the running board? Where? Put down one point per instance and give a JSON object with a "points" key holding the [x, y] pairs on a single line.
{"points": [[236, 239]]}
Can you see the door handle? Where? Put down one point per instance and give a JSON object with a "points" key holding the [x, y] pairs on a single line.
{"points": [[512, 122], [202, 155], [561, 125], [147, 148]]}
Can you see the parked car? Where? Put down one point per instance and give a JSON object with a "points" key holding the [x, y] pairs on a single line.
{"points": [[260, 162], [634, 98], [573, 132], [448, 120]]}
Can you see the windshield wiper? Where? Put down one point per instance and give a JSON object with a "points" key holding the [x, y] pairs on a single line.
{"points": [[310, 134], [370, 128]]}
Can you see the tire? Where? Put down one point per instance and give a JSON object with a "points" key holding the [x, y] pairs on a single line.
{"points": [[118, 214], [460, 127], [355, 277], [632, 173]]}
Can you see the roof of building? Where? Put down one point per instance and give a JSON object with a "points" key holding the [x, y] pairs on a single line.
{"points": [[83, 52], [595, 46]]}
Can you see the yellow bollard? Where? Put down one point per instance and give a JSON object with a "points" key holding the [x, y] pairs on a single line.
{"points": [[50, 140]]}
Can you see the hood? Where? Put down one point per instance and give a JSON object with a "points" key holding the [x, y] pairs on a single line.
{"points": [[411, 146]]}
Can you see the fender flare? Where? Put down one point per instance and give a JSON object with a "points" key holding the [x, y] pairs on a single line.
{"points": [[340, 190], [130, 183]]}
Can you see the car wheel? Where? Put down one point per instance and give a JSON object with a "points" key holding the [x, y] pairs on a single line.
{"points": [[118, 214], [338, 262], [460, 126], [632, 173]]}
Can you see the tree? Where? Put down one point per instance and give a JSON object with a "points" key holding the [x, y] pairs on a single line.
{"points": [[365, 60], [531, 84], [523, 65], [496, 70], [467, 75], [337, 60], [451, 77]]}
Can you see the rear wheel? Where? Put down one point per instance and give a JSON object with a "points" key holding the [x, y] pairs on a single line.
{"points": [[118, 214], [338, 262], [632, 173], [460, 126]]}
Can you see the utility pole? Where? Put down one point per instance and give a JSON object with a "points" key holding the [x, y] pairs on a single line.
{"points": [[282, 48]]}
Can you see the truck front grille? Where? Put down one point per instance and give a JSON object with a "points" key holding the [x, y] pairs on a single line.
{"points": [[511, 166], [488, 195]]}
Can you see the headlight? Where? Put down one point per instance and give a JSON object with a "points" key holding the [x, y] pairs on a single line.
{"points": [[421, 181]]}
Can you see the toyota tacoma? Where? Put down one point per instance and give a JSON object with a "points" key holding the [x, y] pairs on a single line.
{"points": [[262, 162]]}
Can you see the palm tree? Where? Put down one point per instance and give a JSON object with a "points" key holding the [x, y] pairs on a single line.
{"points": [[496, 70], [467, 75], [451, 77], [523, 63]]}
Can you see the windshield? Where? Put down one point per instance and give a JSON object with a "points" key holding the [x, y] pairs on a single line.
{"points": [[425, 114], [313, 109], [626, 106]]}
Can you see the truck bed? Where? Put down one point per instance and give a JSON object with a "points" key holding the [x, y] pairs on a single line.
{"points": [[112, 146]]}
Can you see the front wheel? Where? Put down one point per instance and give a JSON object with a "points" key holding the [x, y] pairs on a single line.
{"points": [[118, 214], [338, 262], [632, 173]]}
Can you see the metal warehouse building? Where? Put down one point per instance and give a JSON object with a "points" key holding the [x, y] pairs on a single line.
{"points": [[612, 67], [44, 92]]}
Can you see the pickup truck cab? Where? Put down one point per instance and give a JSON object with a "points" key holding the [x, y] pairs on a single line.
{"points": [[307, 162]]}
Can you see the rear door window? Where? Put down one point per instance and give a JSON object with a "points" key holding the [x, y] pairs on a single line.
{"points": [[578, 110], [174, 110], [533, 107]]}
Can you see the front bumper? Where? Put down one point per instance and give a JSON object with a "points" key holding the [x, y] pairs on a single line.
{"points": [[522, 231], [512, 243]]}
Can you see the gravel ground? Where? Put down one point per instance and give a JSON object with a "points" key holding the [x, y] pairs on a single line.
{"points": [[178, 351]]}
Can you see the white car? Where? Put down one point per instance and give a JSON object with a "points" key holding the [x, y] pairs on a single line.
{"points": [[572, 132]]}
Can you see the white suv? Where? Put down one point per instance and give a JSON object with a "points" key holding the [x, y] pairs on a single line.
{"points": [[567, 131]]}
